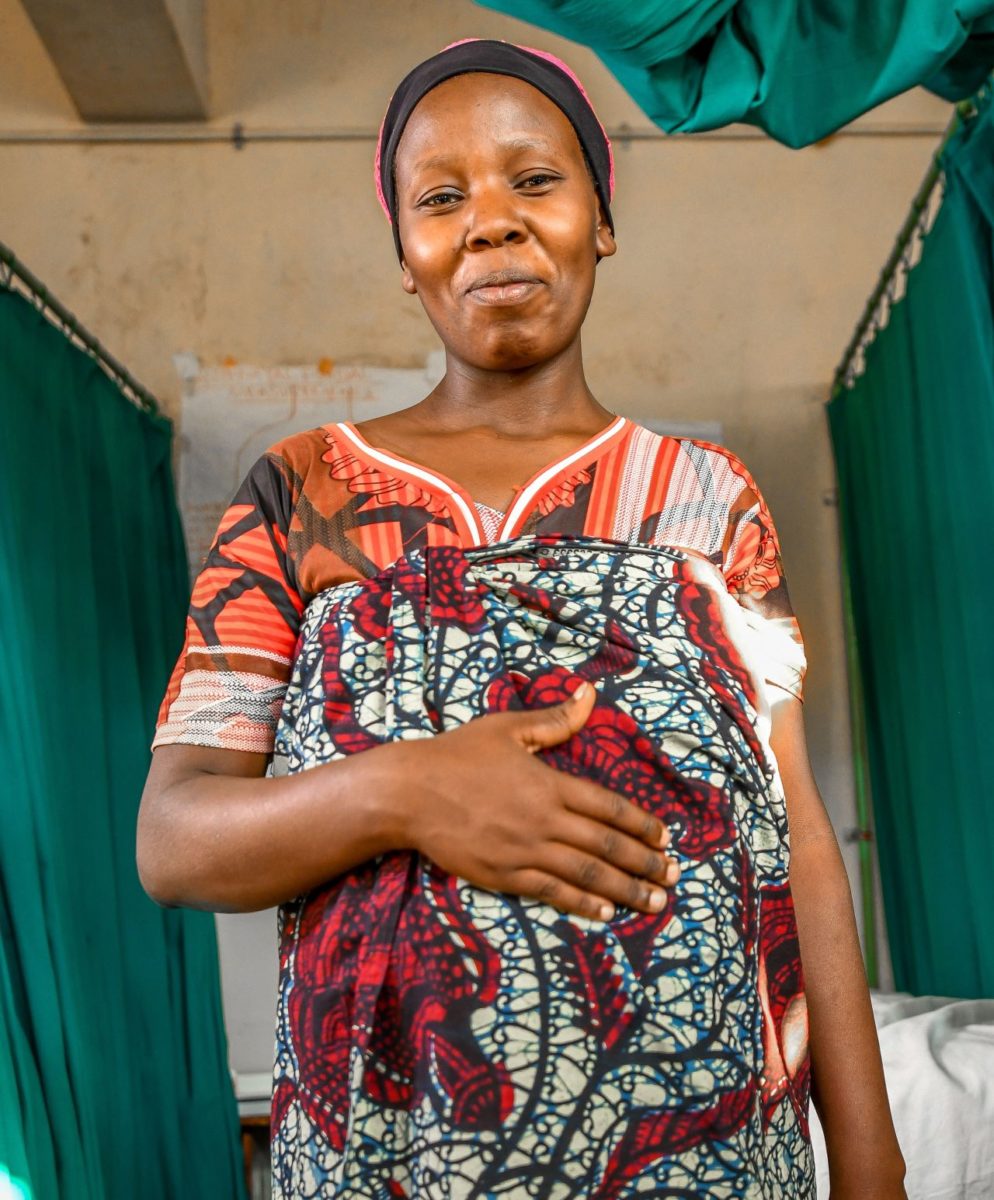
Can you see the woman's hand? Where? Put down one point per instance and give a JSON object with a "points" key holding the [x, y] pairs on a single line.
{"points": [[214, 833], [483, 807], [877, 1182]]}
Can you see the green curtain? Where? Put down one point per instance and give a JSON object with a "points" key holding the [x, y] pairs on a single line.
{"points": [[799, 69], [914, 448], [113, 1060]]}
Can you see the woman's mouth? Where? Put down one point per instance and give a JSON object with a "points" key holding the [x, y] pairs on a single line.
{"points": [[503, 288], [504, 293]]}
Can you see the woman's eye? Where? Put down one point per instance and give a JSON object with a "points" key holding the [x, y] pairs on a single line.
{"points": [[539, 178], [430, 202]]}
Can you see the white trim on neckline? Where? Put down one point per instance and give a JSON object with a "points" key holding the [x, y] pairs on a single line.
{"points": [[468, 511], [526, 495], [423, 473]]}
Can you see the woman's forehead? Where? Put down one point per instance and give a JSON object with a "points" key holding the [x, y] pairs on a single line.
{"points": [[485, 107]]}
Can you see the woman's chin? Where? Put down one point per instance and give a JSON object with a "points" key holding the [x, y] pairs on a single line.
{"points": [[513, 350]]}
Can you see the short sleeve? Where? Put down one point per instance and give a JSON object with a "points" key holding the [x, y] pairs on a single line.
{"points": [[753, 571], [228, 685]]}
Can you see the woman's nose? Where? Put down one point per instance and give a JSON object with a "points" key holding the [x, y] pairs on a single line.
{"points": [[494, 221]]}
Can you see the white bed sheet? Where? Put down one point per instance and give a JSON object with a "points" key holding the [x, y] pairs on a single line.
{"points": [[938, 1055]]}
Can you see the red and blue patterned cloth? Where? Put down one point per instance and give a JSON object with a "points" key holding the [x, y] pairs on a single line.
{"points": [[439, 1040]]}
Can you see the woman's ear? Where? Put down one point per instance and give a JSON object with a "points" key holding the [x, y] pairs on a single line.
{"points": [[606, 245], [407, 279]]}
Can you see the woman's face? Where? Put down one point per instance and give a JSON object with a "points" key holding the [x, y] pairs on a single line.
{"points": [[491, 179]]}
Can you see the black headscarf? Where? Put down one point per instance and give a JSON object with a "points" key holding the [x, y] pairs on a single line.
{"points": [[543, 71]]}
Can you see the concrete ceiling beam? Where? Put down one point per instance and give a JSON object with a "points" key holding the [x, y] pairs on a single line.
{"points": [[127, 60]]}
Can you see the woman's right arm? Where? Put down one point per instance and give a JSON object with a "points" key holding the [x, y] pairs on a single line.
{"points": [[215, 833]]}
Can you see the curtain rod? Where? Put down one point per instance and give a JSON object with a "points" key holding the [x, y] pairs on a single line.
{"points": [[965, 110], [238, 136], [12, 268]]}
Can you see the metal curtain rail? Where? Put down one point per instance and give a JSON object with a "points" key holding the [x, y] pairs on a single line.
{"points": [[11, 268], [868, 322], [238, 135]]}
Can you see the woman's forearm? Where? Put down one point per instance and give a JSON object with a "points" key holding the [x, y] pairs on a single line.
{"points": [[848, 1087], [242, 842], [847, 1074]]}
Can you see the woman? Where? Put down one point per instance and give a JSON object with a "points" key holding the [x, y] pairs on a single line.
{"points": [[535, 677]]}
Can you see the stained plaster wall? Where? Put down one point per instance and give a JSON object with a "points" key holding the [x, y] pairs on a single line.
{"points": [[742, 268]]}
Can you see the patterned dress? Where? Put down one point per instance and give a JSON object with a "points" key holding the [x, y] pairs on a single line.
{"points": [[435, 1039]]}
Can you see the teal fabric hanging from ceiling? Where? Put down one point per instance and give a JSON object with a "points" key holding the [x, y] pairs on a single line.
{"points": [[799, 69], [113, 1062], [914, 448]]}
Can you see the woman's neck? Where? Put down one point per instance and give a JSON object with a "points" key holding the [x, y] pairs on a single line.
{"points": [[549, 399]]}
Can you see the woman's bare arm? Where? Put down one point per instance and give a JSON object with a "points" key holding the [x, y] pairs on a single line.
{"points": [[214, 833], [848, 1087]]}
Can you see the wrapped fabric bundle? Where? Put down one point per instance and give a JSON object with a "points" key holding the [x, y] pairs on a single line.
{"points": [[433, 1034]]}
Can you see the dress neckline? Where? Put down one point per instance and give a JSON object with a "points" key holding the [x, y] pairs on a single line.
{"points": [[463, 504]]}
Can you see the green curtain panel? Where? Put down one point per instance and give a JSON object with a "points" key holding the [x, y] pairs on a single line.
{"points": [[799, 69], [914, 448], [113, 1061]]}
